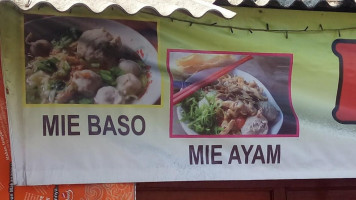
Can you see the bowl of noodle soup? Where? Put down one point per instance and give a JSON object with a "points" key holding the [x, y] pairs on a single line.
{"points": [[73, 60], [221, 106]]}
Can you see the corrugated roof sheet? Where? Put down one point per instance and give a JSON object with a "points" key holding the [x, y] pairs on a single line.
{"points": [[196, 8], [285, 3]]}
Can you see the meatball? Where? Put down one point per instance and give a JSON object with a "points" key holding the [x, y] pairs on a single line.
{"points": [[255, 125], [129, 84], [268, 110], [129, 66], [37, 79], [40, 48], [108, 95], [100, 46], [87, 82]]}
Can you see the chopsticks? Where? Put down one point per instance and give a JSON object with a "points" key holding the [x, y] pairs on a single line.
{"points": [[186, 92]]}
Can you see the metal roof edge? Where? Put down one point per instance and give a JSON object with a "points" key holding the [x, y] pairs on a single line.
{"points": [[196, 8]]}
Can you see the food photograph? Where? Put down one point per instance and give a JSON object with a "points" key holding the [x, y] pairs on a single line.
{"points": [[223, 94], [73, 60]]}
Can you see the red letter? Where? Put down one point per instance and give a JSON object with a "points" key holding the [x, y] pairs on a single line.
{"points": [[345, 108]]}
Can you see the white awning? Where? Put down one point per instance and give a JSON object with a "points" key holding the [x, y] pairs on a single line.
{"points": [[196, 8], [288, 3]]}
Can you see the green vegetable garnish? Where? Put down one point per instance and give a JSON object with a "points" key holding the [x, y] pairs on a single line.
{"points": [[63, 70], [66, 66], [107, 77], [144, 80], [95, 65], [66, 39], [202, 119], [49, 65], [86, 101], [115, 71], [62, 42]]}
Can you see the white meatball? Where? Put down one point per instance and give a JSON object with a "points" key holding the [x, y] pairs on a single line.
{"points": [[98, 45], [37, 79], [268, 110], [41, 80], [129, 66], [129, 84], [87, 81], [108, 95], [255, 125]]}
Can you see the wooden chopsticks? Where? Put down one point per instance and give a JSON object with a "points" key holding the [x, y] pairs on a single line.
{"points": [[186, 92]]}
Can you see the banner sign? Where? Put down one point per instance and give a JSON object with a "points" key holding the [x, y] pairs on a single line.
{"points": [[119, 98], [117, 191]]}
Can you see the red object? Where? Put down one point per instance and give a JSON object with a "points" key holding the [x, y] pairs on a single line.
{"points": [[179, 96], [345, 107], [240, 122]]}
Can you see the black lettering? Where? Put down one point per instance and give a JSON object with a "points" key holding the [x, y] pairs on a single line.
{"points": [[234, 155], [63, 127], [258, 155], [72, 124], [196, 156], [95, 124], [207, 154], [51, 127], [109, 125], [214, 154], [246, 152], [143, 125], [123, 124], [273, 156]]}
